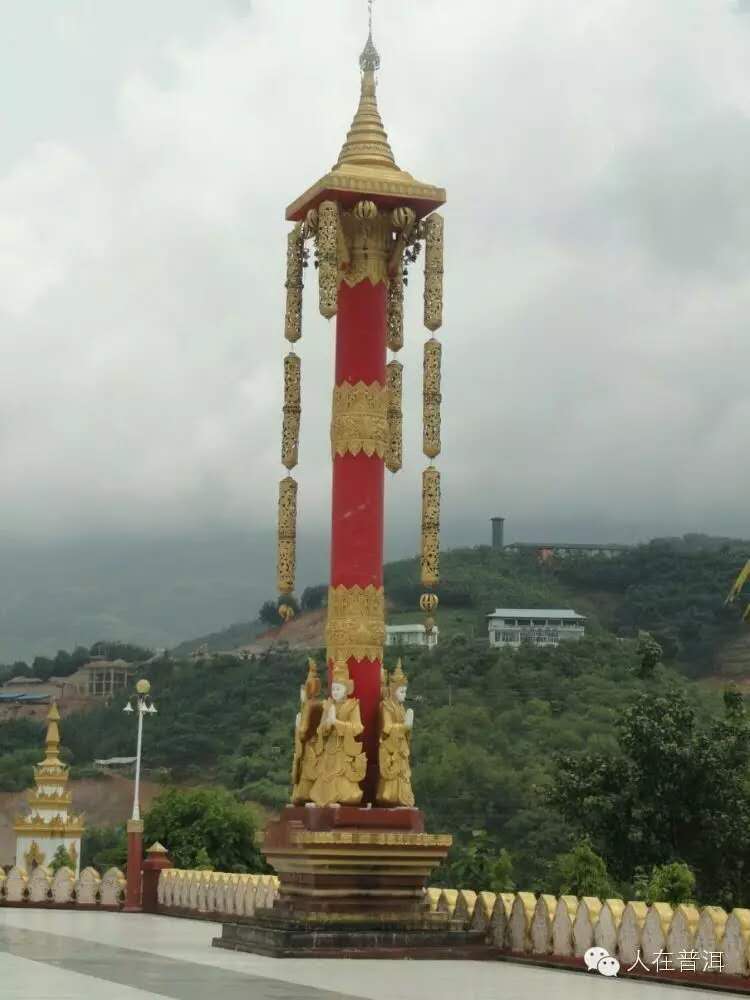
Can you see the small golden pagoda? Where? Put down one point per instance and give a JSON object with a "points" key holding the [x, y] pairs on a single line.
{"points": [[50, 824]]}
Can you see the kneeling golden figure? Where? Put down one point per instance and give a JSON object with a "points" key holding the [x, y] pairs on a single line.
{"points": [[394, 782], [306, 752], [341, 760]]}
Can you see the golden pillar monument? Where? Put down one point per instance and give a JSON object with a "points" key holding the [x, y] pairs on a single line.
{"points": [[351, 850]]}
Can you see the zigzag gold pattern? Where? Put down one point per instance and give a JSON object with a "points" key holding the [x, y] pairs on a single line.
{"points": [[356, 623], [360, 419]]}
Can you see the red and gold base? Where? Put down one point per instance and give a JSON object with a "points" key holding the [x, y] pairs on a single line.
{"points": [[351, 860], [352, 884]]}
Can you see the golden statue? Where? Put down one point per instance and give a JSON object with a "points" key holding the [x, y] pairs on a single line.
{"points": [[396, 722], [341, 760], [306, 754]]}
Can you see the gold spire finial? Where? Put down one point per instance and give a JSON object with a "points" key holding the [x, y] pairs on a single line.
{"points": [[367, 141], [52, 741]]}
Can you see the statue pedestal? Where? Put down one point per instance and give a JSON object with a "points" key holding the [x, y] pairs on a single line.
{"points": [[352, 885]]}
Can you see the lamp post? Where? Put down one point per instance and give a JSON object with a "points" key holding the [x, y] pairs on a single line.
{"points": [[143, 706]]}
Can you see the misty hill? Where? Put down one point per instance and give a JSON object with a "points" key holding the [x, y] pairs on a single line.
{"points": [[488, 725], [154, 592], [672, 587]]}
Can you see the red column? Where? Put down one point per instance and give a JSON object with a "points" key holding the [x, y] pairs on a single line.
{"points": [[156, 861], [135, 861], [357, 508]]}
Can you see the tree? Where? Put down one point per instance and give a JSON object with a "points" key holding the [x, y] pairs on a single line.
{"points": [[104, 847], [314, 598], [673, 883], [206, 827], [649, 654], [61, 859], [673, 791], [581, 872], [269, 610]]}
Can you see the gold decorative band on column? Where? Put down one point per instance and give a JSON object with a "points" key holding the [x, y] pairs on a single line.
{"points": [[360, 419], [394, 386], [292, 410], [328, 265], [430, 527], [433, 272], [294, 264], [287, 535], [396, 309], [431, 398], [356, 623]]}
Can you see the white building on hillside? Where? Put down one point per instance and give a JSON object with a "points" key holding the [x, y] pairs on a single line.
{"points": [[542, 626], [411, 635]]}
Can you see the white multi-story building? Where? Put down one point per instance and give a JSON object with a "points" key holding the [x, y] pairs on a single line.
{"points": [[411, 635], [542, 626]]}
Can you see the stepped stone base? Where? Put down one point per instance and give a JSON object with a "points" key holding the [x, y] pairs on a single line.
{"points": [[351, 884], [319, 936], [373, 862]]}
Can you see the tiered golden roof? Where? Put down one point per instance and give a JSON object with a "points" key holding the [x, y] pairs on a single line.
{"points": [[366, 164], [50, 774]]}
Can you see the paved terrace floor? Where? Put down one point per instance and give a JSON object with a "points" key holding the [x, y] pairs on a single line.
{"points": [[61, 955]]}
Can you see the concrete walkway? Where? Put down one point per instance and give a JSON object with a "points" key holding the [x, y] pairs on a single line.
{"points": [[63, 955]]}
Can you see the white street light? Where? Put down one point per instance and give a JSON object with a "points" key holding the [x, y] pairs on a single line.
{"points": [[144, 706]]}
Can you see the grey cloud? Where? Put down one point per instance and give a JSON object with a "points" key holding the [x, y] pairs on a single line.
{"points": [[597, 242]]}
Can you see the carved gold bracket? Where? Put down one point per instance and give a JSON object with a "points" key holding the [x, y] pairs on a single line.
{"points": [[396, 309], [294, 266], [328, 257], [431, 398], [360, 419], [430, 527], [292, 410], [287, 535], [394, 386], [433, 272], [356, 623]]}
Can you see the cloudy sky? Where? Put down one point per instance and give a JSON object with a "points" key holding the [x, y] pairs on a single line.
{"points": [[598, 243]]}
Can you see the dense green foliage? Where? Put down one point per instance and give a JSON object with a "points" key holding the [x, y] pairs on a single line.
{"points": [[104, 847], [204, 828], [61, 859], [581, 872], [672, 790], [592, 766], [671, 883]]}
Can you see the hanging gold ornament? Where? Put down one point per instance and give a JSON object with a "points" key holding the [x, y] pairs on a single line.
{"points": [[430, 527], [396, 308], [394, 386], [292, 410], [287, 540], [433, 272], [431, 398], [328, 239], [428, 602], [286, 612], [294, 266]]}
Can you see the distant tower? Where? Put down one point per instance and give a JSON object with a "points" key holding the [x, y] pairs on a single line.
{"points": [[50, 824], [498, 524]]}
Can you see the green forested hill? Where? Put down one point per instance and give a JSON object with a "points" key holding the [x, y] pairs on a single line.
{"points": [[674, 588], [490, 723]]}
